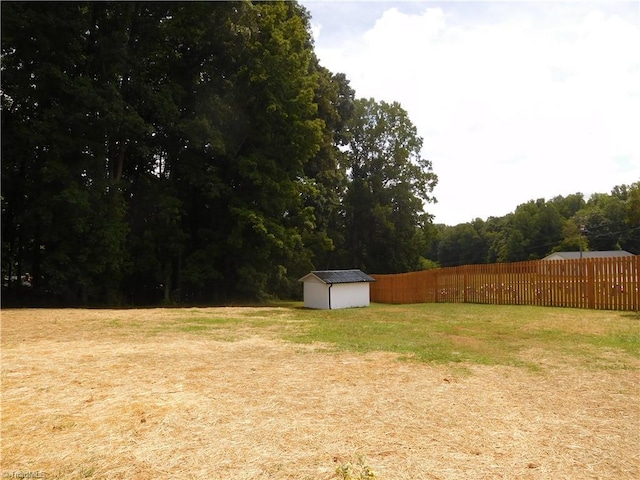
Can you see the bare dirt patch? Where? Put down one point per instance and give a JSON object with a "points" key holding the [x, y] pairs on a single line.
{"points": [[114, 394]]}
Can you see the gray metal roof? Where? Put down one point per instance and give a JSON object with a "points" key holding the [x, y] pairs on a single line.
{"points": [[341, 276], [603, 254]]}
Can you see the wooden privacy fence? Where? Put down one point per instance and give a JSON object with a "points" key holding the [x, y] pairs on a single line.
{"points": [[598, 283]]}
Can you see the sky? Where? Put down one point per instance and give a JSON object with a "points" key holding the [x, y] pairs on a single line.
{"points": [[515, 101]]}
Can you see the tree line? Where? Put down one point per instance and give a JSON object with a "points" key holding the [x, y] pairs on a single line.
{"points": [[193, 152], [540, 227], [198, 152]]}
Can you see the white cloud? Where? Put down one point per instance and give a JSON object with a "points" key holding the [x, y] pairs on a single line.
{"points": [[518, 107], [316, 29]]}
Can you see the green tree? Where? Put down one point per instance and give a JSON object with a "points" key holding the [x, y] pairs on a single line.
{"points": [[630, 238], [325, 173], [389, 184], [531, 231], [463, 244], [243, 179], [574, 239], [604, 221], [67, 211], [157, 145], [568, 206]]}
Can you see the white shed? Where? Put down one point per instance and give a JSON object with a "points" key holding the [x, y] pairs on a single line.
{"points": [[331, 289]]}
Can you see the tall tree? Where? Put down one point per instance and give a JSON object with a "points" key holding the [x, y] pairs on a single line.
{"points": [[325, 172], [58, 105], [283, 132], [389, 184]]}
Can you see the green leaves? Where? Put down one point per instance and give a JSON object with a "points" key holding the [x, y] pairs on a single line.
{"points": [[190, 152], [537, 228], [390, 183]]}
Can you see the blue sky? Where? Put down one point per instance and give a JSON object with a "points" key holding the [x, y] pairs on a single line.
{"points": [[514, 100]]}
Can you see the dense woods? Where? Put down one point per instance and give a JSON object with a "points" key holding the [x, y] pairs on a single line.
{"points": [[198, 152], [540, 227], [193, 152]]}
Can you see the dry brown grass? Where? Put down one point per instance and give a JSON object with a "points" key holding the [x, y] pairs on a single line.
{"points": [[113, 394]]}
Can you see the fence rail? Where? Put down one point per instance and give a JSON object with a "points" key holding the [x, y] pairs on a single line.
{"points": [[596, 283]]}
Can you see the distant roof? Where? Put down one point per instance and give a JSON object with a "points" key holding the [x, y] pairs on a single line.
{"points": [[576, 255], [340, 276]]}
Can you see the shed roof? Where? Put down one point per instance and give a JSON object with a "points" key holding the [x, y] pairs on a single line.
{"points": [[340, 276], [595, 254]]}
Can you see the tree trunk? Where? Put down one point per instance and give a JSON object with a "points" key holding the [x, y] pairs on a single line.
{"points": [[120, 165]]}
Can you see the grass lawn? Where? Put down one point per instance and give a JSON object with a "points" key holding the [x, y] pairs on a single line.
{"points": [[483, 334], [429, 391], [441, 333]]}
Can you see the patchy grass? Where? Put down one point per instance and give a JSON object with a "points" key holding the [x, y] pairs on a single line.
{"points": [[437, 333], [218, 393], [482, 334]]}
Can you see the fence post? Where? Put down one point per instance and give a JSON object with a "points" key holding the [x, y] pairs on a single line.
{"points": [[591, 283], [636, 285], [465, 284]]}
